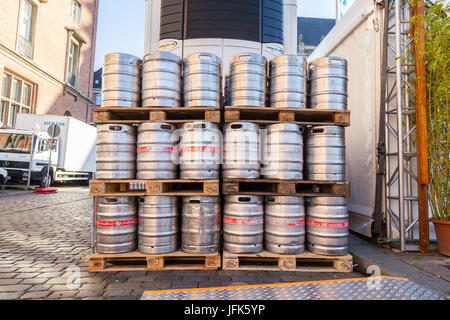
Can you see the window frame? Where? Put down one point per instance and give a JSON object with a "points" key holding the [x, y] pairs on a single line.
{"points": [[25, 46], [11, 106], [73, 62], [77, 18]]}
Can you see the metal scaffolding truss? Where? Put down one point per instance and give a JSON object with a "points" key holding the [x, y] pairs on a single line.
{"points": [[400, 133]]}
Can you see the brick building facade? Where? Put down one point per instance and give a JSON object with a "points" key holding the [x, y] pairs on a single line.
{"points": [[47, 51]]}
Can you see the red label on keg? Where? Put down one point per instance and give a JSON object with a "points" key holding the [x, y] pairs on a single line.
{"points": [[324, 224], [243, 221], [199, 149], [297, 223], [148, 149], [118, 223]]}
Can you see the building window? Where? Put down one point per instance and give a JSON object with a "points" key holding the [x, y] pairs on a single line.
{"points": [[16, 97], [74, 58], [26, 25], [76, 12], [98, 99]]}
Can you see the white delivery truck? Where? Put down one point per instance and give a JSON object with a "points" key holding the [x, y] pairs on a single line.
{"points": [[26, 149]]}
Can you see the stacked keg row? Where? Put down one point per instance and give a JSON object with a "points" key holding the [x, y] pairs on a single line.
{"points": [[250, 222], [285, 151], [157, 151]]}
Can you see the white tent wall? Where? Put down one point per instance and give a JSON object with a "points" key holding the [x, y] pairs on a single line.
{"points": [[358, 37]]}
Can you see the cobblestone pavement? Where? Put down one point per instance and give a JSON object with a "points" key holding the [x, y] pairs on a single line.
{"points": [[45, 245]]}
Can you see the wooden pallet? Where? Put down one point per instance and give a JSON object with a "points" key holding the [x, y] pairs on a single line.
{"points": [[305, 262], [105, 115], [270, 187], [154, 187], [263, 116], [136, 261]]}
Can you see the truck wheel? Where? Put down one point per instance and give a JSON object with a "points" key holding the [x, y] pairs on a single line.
{"points": [[44, 180]]}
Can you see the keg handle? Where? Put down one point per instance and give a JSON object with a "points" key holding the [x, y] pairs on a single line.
{"points": [[337, 60], [317, 130], [244, 199], [111, 200], [270, 199], [112, 128], [194, 201], [167, 127], [246, 57], [205, 56], [236, 126], [199, 126]]}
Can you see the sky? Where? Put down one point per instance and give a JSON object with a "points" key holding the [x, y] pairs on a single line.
{"points": [[121, 24]]}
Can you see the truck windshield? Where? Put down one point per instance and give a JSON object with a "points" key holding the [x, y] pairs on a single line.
{"points": [[15, 143]]}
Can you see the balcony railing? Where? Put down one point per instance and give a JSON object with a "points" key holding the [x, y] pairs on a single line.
{"points": [[25, 47]]}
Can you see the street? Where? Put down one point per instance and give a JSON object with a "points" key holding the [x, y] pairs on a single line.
{"points": [[45, 246]]}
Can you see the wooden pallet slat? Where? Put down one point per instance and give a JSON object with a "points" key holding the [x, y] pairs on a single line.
{"points": [[305, 262], [286, 187], [136, 261], [264, 116], [122, 115], [154, 187]]}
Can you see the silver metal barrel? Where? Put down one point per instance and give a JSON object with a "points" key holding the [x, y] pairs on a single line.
{"points": [[116, 224], [121, 80], [327, 226], [248, 80], [161, 80], [243, 224], [201, 224], [241, 154], [283, 152], [158, 224], [202, 80], [116, 151], [200, 151], [328, 83], [288, 82], [155, 150], [325, 153], [284, 224]]}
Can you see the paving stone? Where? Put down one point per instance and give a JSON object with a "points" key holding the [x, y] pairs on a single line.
{"points": [[34, 281], [122, 298], [93, 286], [63, 287], [15, 287], [31, 269], [212, 284], [184, 284], [10, 295], [195, 278], [156, 285], [117, 292], [50, 275], [7, 269], [26, 275], [57, 281], [62, 294], [7, 275], [89, 293], [9, 281], [39, 287], [142, 279], [127, 285], [244, 278], [35, 295]]}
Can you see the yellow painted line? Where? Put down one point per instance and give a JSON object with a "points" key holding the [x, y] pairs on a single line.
{"points": [[270, 285]]}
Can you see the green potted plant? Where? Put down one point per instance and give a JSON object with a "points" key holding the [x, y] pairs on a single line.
{"points": [[437, 59]]}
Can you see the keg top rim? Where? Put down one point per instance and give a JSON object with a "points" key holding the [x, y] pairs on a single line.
{"points": [[288, 59], [120, 56], [244, 124], [105, 127], [284, 127], [337, 201], [155, 125], [335, 61], [285, 200], [205, 125], [194, 58], [162, 55], [327, 130], [253, 58]]}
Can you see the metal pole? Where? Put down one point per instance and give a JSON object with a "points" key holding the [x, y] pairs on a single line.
{"points": [[33, 145], [421, 124], [398, 67]]}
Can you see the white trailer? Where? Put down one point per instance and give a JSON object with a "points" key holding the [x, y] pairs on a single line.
{"points": [[26, 149]]}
